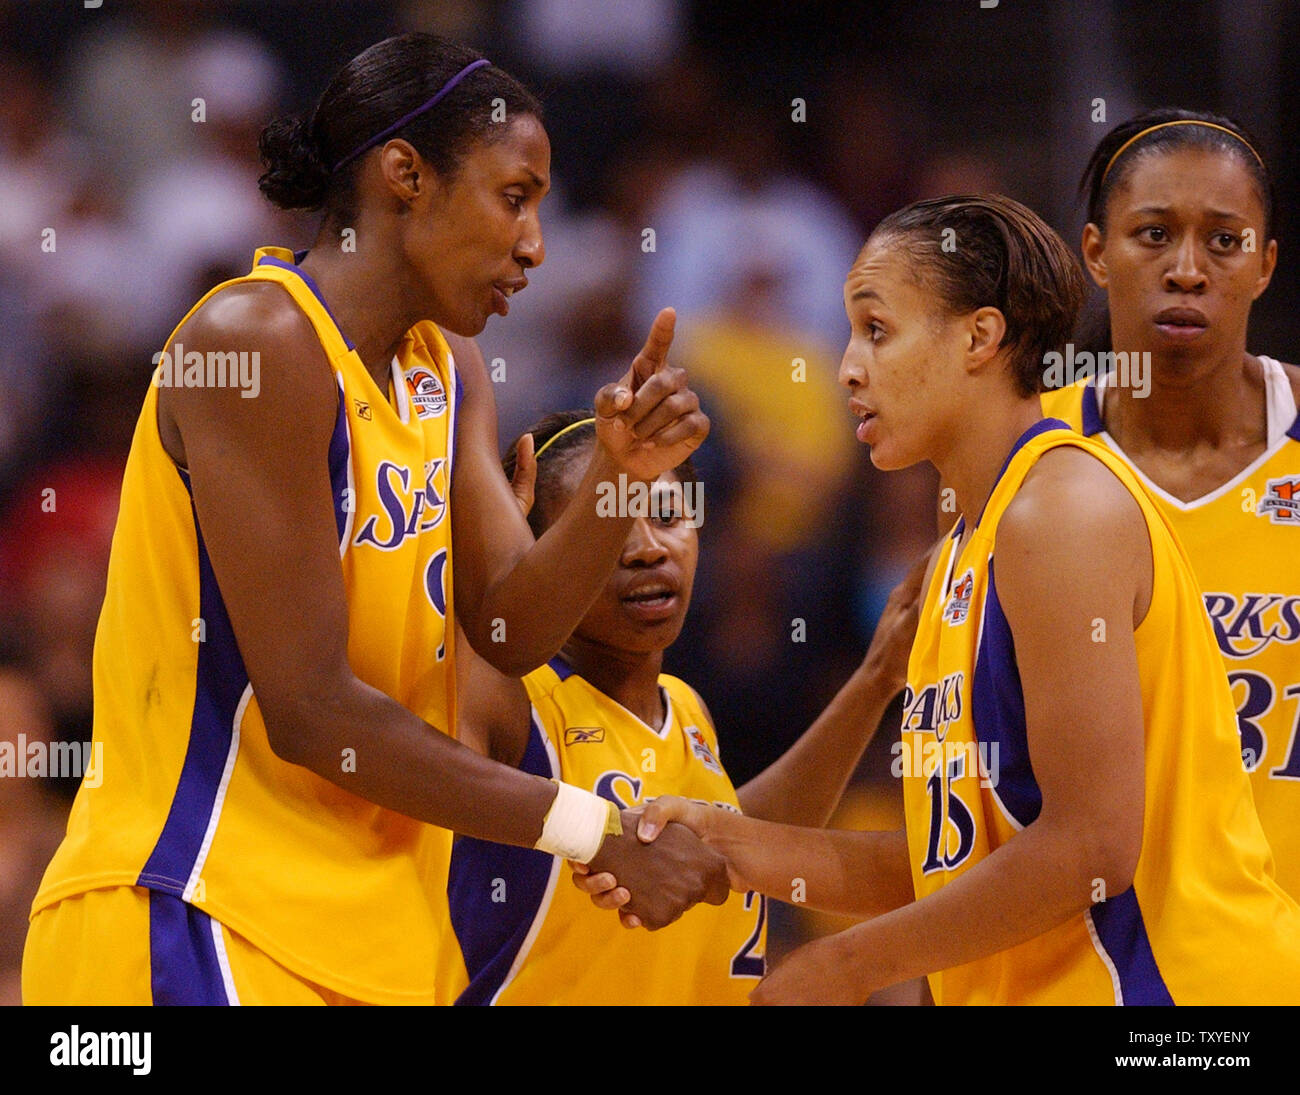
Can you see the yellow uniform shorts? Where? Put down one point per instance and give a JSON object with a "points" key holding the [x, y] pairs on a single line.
{"points": [[129, 945]]}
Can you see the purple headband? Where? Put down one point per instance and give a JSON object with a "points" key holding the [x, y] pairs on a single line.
{"points": [[443, 92]]}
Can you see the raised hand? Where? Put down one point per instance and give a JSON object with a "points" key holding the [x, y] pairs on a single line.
{"points": [[523, 484], [891, 645], [665, 878], [650, 421]]}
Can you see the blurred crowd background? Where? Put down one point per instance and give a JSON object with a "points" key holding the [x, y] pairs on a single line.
{"points": [[761, 142]]}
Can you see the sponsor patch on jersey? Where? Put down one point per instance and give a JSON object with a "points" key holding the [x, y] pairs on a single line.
{"points": [[1281, 502], [700, 747], [581, 735], [958, 606], [428, 396]]}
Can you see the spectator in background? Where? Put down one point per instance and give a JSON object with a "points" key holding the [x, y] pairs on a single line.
{"points": [[54, 544], [70, 259], [130, 82], [31, 822], [718, 214], [197, 216], [26, 382]]}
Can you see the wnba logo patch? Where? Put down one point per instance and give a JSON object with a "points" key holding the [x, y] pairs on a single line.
{"points": [[1281, 503], [700, 747], [428, 396], [958, 606]]}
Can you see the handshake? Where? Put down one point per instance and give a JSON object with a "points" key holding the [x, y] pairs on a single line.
{"points": [[658, 868]]}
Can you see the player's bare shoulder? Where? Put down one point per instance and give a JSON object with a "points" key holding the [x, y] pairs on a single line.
{"points": [[252, 318], [1073, 517], [251, 315], [248, 354], [1070, 500], [470, 363]]}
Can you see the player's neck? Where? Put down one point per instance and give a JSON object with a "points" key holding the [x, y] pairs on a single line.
{"points": [[1188, 404], [972, 462], [629, 679], [376, 322]]}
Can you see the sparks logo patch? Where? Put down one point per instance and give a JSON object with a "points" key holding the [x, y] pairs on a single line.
{"points": [[581, 735], [958, 606], [428, 396], [700, 747], [1281, 503]]}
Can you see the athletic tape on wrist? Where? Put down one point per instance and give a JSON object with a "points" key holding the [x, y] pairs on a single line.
{"points": [[577, 823]]}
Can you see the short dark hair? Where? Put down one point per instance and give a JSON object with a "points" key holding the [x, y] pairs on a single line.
{"points": [[374, 90], [1098, 183], [998, 254], [555, 461]]}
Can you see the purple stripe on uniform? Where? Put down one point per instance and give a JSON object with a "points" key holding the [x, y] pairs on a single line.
{"points": [[998, 713], [1294, 431], [563, 669], [340, 458], [1123, 935], [1091, 413], [460, 391], [183, 966], [220, 680], [494, 892], [269, 260], [1043, 425]]}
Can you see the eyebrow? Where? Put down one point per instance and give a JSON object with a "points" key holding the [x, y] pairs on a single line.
{"points": [[865, 294], [538, 181], [1213, 214]]}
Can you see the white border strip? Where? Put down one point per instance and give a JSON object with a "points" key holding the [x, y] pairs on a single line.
{"points": [[543, 906], [346, 539], [223, 961], [215, 816], [1105, 958]]}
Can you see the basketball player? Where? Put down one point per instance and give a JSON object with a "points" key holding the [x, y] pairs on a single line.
{"points": [[1179, 234], [602, 715], [274, 660], [1079, 828]]}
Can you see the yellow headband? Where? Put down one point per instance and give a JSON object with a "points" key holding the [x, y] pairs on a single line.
{"points": [[555, 437], [1181, 121]]}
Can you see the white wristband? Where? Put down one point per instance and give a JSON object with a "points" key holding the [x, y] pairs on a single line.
{"points": [[576, 824]]}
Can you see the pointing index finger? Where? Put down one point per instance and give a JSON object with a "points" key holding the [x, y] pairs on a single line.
{"points": [[654, 354]]}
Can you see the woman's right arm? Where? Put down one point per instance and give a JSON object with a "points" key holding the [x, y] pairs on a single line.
{"points": [[262, 496], [834, 870]]}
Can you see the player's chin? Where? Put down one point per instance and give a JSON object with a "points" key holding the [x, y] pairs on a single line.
{"points": [[888, 454], [469, 327], [884, 457], [468, 322], [646, 636]]}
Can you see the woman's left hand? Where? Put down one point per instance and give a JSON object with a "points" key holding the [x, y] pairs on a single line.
{"points": [[818, 973]]}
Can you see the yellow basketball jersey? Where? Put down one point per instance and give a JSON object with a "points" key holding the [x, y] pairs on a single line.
{"points": [[1243, 539], [528, 936], [193, 801], [1204, 921]]}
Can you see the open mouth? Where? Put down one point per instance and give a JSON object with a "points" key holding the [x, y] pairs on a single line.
{"points": [[866, 416], [654, 601], [1181, 324], [502, 291]]}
